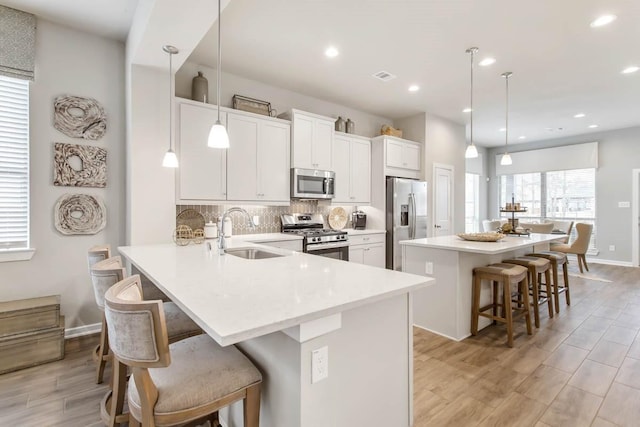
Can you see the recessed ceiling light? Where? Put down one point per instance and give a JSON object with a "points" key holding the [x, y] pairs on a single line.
{"points": [[593, 126], [630, 70], [502, 129], [603, 20], [414, 88], [487, 61], [579, 115], [331, 52], [466, 110], [522, 137]]}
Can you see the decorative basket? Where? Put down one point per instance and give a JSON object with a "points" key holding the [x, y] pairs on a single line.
{"points": [[390, 131]]}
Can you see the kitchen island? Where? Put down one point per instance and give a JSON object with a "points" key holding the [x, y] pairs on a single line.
{"points": [[279, 310], [445, 308]]}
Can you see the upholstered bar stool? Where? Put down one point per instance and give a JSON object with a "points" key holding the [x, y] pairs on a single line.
{"points": [[179, 383], [97, 254], [505, 275], [105, 274], [536, 267], [557, 259]]}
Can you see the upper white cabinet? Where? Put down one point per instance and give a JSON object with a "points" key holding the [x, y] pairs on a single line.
{"points": [[257, 159], [202, 175], [352, 165], [312, 137], [401, 157], [255, 168]]}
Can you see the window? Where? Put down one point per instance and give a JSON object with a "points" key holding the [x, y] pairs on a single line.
{"points": [[472, 203], [14, 164], [568, 195]]}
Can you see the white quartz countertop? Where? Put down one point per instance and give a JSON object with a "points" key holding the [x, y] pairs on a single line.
{"points": [[509, 243], [352, 232], [235, 299]]}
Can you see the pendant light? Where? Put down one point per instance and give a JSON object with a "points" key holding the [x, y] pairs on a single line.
{"points": [[218, 137], [170, 159], [472, 151], [506, 158]]}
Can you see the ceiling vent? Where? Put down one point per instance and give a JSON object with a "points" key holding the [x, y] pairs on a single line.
{"points": [[384, 76]]}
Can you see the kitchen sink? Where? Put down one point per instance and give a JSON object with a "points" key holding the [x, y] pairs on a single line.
{"points": [[252, 253]]}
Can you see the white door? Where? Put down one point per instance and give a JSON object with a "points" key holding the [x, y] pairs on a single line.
{"points": [[394, 154], [341, 167], [273, 162], [442, 200], [242, 158], [360, 171], [302, 141], [203, 170], [374, 255], [411, 156], [322, 141]]}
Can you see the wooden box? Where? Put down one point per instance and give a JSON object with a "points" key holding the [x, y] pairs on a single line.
{"points": [[21, 351], [28, 315]]}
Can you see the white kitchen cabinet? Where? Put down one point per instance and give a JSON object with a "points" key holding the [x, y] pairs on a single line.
{"points": [[312, 137], [352, 166], [402, 154], [202, 175], [257, 159], [368, 249]]}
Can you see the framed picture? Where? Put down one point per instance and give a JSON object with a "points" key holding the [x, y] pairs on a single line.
{"points": [[251, 105]]}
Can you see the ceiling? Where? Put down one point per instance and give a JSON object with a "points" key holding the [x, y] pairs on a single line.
{"points": [[561, 66]]}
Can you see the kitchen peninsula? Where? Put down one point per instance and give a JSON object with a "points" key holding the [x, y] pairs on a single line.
{"points": [[445, 308], [278, 310]]}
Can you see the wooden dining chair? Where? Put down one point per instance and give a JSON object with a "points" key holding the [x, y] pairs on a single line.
{"points": [[544, 228], [175, 383], [579, 246], [105, 274]]}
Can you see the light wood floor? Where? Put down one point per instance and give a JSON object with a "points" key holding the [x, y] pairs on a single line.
{"points": [[581, 368]]}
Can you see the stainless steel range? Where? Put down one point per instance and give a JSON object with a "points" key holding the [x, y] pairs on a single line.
{"points": [[317, 240]]}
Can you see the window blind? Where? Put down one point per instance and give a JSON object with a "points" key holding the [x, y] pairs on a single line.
{"points": [[578, 156], [17, 43], [14, 163]]}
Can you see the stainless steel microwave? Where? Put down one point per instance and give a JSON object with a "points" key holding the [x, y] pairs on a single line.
{"points": [[312, 184]]}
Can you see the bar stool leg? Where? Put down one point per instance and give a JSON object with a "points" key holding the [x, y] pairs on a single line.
{"points": [[565, 273], [525, 293], [496, 303], [476, 304], [547, 280], [508, 311], [103, 352], [556, 288], [534, 285]]}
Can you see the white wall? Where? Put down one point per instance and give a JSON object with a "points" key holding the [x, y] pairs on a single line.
{"points": [[280, 99], [618, 154], [444, 143], [75, 63]]}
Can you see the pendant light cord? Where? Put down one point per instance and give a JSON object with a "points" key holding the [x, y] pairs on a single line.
{"points": [[170, 103], [471, 112], [506, 130], [219, 57]]}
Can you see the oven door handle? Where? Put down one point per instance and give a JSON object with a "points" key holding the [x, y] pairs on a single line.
{"points": [[321, 246]]}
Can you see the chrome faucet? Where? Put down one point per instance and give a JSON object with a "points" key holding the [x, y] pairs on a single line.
{"points": [[222, 245]]}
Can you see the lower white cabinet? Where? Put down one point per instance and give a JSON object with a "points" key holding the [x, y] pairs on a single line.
{"points": [[368, 249]]}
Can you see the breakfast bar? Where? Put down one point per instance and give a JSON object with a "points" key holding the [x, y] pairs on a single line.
{"points": [[281, 306], [445, 308]]}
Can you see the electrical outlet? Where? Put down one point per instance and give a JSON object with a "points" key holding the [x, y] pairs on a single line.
{"points": [[319, 364], [612, 248], [428, 267], [624, 204], [256, 220]]}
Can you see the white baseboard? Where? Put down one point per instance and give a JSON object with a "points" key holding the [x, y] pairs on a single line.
{"points": [[79, 331], [610, 262]]}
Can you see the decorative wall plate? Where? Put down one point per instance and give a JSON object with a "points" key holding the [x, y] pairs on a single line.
{"points": [[79, 117], [79, 165], [337, 218], [79, 214]]}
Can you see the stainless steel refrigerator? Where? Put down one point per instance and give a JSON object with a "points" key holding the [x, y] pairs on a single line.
{"points": [[406, 216]]}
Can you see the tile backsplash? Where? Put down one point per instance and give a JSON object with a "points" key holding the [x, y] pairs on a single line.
{"points": [[269, 215]]}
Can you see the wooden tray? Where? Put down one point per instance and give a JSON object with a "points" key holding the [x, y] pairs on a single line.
{"points": [[481, 237]]}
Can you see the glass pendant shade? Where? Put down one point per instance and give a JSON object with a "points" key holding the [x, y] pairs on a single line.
{"points": [[506, 160], [218, 137], [472, 152], [170, 159]]}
